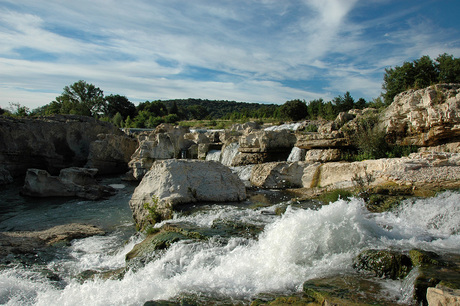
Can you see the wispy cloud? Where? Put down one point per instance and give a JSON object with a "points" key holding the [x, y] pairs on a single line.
{"points": [[256, 51]]}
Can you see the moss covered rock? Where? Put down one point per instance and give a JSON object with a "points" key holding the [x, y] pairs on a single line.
{"points": [[384, 263], [159, 240]]}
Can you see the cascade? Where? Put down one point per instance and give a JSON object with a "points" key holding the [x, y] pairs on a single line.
{"points": [[296, 154], [229, 153], [214, 155]]}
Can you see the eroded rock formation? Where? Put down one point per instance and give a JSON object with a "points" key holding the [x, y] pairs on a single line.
{"points": [[50, 143], [172, 182]]}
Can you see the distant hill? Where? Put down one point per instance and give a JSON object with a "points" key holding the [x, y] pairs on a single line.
{"points": [[218, 109]]}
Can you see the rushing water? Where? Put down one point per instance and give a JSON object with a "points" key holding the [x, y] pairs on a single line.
{"points": [[308, 241]]}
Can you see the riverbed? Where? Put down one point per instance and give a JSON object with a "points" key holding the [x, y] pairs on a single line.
{"points": [[271, 254]]}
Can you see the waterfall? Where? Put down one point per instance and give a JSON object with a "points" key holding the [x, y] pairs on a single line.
{"points": [[229, 153], [214, 155], [296, 154]]}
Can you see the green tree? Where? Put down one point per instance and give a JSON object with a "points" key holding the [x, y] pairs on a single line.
{"points": [[118, 120], [345, 103], [19, 110], [449, 68], [294, 110], [121, 105], [129, 122], [198, 112], [420, 73], [81, 98]]}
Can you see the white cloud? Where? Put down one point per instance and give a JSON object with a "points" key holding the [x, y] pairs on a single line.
{"points": [[150, 50]]}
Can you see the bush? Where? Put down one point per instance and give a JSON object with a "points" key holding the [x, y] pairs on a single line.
{"points": [[334, 195]]}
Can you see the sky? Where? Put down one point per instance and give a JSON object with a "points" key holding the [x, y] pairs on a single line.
{"points": [[264, 51]]}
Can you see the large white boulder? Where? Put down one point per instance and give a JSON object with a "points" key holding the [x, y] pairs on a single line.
{"points": [[169, 183]]}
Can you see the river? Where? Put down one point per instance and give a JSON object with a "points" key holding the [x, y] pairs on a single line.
{"points": [[308, 241]]}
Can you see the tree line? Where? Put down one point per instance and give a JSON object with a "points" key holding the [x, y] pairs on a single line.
{"points": [[82, 98]]}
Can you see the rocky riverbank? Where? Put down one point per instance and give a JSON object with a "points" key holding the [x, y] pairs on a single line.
{"points": [[177, 167]]}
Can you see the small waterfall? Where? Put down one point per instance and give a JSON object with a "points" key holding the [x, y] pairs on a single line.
{"points": [[244, 173], [297, 154], [229, 153], [214, 155]]}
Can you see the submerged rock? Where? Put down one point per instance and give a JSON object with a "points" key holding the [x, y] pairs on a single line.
{"points": [[170, 183], [71, 182], [384, 263], [31, 242]]}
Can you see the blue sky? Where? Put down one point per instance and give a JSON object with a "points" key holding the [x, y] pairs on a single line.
{"points": [[266, 51]]}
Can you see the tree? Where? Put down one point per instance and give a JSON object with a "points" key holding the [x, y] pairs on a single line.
{"points": [[449, 68], [119, 104], [345, 103], [420, 73], [294, 110], [81, 98], [198, 112], [118, 120], [19, 110]]}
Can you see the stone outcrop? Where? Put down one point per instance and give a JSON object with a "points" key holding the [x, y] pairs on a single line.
{"points": [[51, 143], [165, 142], [277, 175], [5, 176], [417, 170], [32, 242], [425, 117], [71, 182], [110, 153], [261, 146], [172, 182], [443, 296]]}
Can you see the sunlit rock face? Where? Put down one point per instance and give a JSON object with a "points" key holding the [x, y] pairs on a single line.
{"points": [[425, 117], [173, 182]]}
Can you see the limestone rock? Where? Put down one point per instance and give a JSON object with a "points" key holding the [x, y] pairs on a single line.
{"points": [[165, 142], [110, 154], [316, 140], [72, 182], [322, 155], [31, 242], [443, 296], [418, 169], [267, 141], [425, 117], [50, 143], [174, 182], [278, 175]]}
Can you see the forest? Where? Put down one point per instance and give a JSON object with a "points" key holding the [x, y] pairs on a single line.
{"points": [[82, 98]]}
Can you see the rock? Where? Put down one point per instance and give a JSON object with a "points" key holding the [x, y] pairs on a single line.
{"points": [[5, 176], [165, 142], [323, 155], [384, 263], [72, 182], [31, 242], [344, 290], [315, 140], [424, 117], [50, 143], [172, 182], [267, 141], [161, 239], [443, 296], [110, 154], [278, 175]]}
